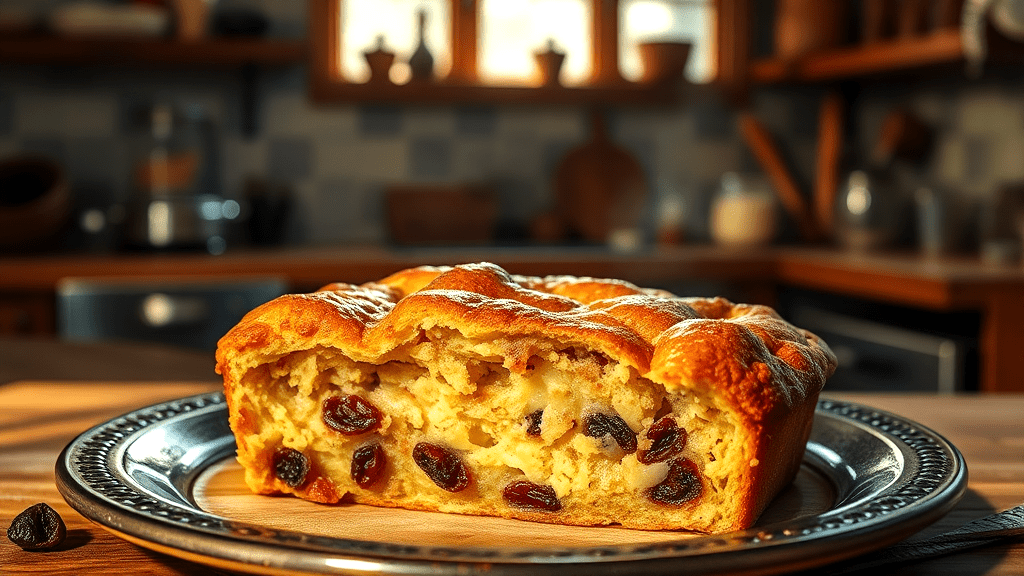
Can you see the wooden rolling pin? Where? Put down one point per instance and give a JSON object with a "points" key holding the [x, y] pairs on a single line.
{"points": [[830, 148], [767, 154]]}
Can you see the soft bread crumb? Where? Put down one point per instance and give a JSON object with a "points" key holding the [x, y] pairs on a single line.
{"points": [[461, 359]]}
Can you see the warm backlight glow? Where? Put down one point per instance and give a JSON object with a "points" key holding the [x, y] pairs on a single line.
{"points": [[661, 20], [512, 30], [362, 21]]}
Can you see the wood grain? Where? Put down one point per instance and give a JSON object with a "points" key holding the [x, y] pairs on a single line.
{"points": [[888, 56], [37, 419], [210, 52]]}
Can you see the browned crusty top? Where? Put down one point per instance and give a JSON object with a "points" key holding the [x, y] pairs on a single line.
{"points": [[753, 358]]}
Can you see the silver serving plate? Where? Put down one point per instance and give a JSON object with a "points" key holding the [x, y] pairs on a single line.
{"points": [[136, 475]]}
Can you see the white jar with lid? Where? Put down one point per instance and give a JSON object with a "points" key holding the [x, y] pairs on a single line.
{"points": [[743, 213]]}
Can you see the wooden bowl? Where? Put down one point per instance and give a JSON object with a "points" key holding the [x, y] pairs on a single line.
{"points": [[35, 201], [663, 61]]}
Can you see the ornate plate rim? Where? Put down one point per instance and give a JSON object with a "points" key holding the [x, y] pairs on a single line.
{"points": [[92, 477]]}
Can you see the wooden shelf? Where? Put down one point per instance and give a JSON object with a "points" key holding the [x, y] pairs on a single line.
{"points": [[623, 94], [245, 54], [162, 52], [936, 48], [462, 84]]}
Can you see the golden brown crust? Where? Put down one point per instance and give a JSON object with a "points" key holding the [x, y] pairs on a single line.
{"points": [[751, 362], [747, 352]]}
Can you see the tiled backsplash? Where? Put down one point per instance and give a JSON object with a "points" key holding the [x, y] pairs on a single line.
{"points": [[339, 159]]}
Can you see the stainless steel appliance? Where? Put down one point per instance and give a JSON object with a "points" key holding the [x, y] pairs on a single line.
{"points": [[187, 312], [889, 348]]}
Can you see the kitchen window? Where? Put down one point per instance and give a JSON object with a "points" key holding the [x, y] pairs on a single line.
{"points": [[485, 50], [511, 31], [667, 20], [394, 23]]}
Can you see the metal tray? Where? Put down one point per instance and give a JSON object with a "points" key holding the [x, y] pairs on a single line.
{"points": [[139, 475]]}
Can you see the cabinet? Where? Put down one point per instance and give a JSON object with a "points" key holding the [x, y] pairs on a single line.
{"points": [[889, 38]]}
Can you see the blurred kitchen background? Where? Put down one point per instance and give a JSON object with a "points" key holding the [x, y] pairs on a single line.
{"points": [[690, 144]]}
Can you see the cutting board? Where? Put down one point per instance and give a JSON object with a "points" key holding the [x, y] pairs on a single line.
{"points": [[221, 490], [599, 186]]}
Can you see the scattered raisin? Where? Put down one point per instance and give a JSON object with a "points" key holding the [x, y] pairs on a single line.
{"points": [[597, 425], [291, 466], [680, 486], [533, 422], [443, 466], [37, 528], [525, 494], [350, 415], [368, 464], [667, 440]]}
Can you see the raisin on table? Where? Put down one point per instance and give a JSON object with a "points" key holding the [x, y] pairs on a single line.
{"points": [[37, 528]]}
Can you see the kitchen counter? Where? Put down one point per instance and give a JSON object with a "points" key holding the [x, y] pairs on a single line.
{"points": [[37, 419], [945, 284]]}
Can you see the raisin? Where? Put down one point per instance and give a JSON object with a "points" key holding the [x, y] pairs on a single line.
{"points": [[533, 422], [368, 464], [530, 496], [597, 425], [291, 466], [680, 486], [37, 528], [350, 415], [443, 466], [667, 440]]}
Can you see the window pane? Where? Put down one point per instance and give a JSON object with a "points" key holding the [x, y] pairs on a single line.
{"points": [[512, 30], [362, 21], [667, 20]]}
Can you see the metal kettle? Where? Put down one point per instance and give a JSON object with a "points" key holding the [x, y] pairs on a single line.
{"points": [[1007, 16]]}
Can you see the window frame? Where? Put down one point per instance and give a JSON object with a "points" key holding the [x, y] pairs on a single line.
{"points": [[606, 86]]}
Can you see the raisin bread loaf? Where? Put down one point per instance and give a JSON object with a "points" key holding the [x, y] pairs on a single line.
{"points": [[560, 399]]}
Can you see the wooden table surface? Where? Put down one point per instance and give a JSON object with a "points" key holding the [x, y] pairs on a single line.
{"points": [[37, 419]]}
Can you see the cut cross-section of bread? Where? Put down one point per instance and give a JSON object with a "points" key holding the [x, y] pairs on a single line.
{"points": [[560, 399]]}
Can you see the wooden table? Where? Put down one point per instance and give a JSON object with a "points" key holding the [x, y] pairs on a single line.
{"points": [[48, 358], [37, 419]]}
